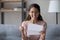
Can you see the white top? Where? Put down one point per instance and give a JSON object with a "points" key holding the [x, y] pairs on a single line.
{"points": [[34, 29]]}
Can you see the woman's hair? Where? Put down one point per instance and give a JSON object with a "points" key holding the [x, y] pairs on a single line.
{"points": [[38, 8]]}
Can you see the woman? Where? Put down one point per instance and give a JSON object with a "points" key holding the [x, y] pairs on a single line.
{"points": [[34, 17]]}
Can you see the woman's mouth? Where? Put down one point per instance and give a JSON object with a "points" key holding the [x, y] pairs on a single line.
{"points": [[33, 16]]}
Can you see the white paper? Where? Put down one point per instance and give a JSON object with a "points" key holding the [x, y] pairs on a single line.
{"points": [[34, 29]]}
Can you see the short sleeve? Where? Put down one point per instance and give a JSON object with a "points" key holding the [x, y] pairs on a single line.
{"points": [[23, 24], [45, 26]]}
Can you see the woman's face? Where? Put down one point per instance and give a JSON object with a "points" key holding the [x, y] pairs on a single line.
{"points": [[34, 13]]}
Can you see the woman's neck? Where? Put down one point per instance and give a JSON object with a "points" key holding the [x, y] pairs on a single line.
{"points": [[33, 20]]}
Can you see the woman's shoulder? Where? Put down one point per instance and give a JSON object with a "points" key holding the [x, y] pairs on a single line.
{"points": [[25, 22], [42, 22]]}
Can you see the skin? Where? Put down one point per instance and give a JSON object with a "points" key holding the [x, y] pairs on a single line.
{"points": [[34, 14]]}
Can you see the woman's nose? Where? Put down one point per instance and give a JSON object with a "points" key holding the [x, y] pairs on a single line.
{"points": [[34, 14]]}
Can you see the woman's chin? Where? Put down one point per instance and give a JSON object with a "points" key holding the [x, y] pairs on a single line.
{"points": [[33, 18]]}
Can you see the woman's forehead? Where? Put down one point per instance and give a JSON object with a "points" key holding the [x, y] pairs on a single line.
{"points": [[33, 9]]}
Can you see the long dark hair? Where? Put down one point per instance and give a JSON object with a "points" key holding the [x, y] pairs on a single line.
{"points": [[39, 16]]}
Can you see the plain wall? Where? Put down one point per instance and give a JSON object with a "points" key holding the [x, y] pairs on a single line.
{"points": [[15, 18], [0, 14], [58, 18], [0, 18]]}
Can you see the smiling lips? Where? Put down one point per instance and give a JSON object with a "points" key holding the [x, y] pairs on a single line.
{"points": [[34, 16]]}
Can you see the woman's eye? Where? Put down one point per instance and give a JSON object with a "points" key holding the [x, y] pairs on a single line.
{"points": [[32, 12]]}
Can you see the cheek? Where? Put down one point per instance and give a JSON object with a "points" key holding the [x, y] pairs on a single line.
{"points": [[37, 15], [30, 14]]}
